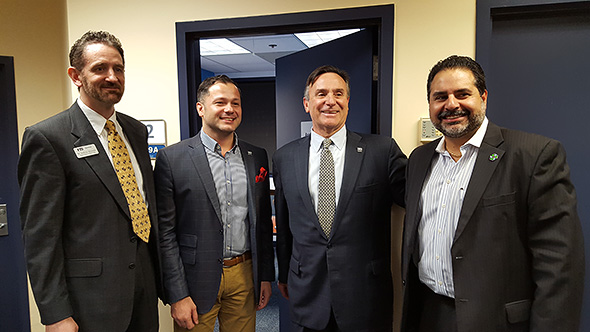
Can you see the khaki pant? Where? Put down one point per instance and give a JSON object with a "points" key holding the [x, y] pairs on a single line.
{"points": [[235, 305]]}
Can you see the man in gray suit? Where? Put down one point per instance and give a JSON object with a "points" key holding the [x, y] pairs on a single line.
{"points": [[492, 239], [91, 248], [334, 191], [215, 219]]}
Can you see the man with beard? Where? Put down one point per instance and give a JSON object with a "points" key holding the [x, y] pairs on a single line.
{"points": [[492, 238], [88, 207]]}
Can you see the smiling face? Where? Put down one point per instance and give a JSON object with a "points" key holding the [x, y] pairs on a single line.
{"points": [[327, 104], [457, 109], [221, 110], [102, 79]]}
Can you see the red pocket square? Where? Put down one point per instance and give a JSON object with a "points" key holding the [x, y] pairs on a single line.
{"points": [[260, 177]]}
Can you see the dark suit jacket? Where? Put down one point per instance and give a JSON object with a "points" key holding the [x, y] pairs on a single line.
{"points": [[518, 253], [349, 273], [191, 232], [79, 242]]}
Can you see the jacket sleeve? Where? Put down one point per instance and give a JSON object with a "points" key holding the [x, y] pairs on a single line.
{"points": [[556, 244], [173, 275], [43, 195]]}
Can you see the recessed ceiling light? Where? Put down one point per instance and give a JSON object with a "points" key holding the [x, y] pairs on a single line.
{"points": [[312, 39], [220, 46]]}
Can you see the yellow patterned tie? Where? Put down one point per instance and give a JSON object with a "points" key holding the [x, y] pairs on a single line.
{"points": [[140, 218]]}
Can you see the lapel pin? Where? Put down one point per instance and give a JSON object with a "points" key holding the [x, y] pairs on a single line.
{"points": [[249, 153], [493, 157], [359, 149]]}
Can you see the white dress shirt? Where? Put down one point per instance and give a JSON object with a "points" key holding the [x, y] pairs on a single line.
{"points": [[441, 202], [338, 150], [98, 122]]}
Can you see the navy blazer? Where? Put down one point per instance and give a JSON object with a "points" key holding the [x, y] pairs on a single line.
{"points": [[350, 272], [191, 230], [79, 242], [518, 249]]}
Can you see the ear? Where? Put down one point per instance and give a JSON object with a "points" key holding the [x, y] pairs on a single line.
{"points": [[306, 105], [484, 96], [74, 75], [200, 109]]}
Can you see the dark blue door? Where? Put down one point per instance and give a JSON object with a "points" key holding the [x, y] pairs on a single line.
{"points": [[14, 305], [536, 57], [353, 53]]}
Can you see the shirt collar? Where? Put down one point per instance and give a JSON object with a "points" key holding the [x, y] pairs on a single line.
{"points": [[212, 145], [474, 141], [338, 139], [96, 120]]}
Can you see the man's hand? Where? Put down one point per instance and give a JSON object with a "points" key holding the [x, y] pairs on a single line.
{"points": [[284, 290], [64, 325], [184, 313], [265, 292]]}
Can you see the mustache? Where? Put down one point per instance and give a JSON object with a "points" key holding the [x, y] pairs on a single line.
{"points": [[452, 113]]}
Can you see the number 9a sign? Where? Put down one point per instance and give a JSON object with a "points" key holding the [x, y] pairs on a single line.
{"points": [[156, 136]]}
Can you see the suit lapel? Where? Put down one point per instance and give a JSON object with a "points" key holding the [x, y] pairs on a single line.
{"points": [[353, 159], [198, 156], [301, 178], [483, 170], [249, 163], [420, 167], [100, 164]]}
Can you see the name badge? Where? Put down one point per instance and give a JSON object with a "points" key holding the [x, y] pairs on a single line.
{"points": [[85, 151]]}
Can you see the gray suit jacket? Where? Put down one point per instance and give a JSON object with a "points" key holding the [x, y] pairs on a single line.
{"points": [[79, 243], [191, 232], [350, 272], [518, 248]]}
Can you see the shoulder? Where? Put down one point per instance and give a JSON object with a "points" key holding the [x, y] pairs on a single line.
{"points": [[529, 145], [290, 147], [129, 122]]}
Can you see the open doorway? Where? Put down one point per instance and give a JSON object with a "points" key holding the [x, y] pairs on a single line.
{"points": [[378, 18]]}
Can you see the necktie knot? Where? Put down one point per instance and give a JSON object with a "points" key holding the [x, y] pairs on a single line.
{"points": [[110, 127], [327, 142]]}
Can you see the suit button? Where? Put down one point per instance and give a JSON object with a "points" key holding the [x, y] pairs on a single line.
{"points": [[132, 265], [133, 239], [329, 246]]}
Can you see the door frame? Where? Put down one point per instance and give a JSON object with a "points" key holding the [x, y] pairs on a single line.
{"points": [[14, 299], [188, 53]]}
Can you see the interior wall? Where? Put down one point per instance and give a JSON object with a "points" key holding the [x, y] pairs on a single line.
{"points": [[39, 33], [34, 32], [423, 35]]}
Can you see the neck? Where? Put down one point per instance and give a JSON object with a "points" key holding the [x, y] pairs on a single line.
{"points": [[106, 110], [225, 140]]}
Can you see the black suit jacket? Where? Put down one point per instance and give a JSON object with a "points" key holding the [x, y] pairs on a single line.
{"points": [[79, 243], [518, 249], [349, 273], [191, 232]]}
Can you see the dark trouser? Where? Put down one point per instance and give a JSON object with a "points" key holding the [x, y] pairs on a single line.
{"points": [[145, 302], [437, 312]]}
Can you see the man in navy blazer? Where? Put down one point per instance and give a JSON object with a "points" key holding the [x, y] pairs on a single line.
{"points": [[87, 267], [337, 279], [492, 238], [215, 219]]}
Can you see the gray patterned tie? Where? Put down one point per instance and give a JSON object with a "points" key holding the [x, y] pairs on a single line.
{"points": [[326, 189]]}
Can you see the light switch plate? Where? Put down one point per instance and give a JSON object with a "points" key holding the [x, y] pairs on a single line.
{"points": [[427, 131]]}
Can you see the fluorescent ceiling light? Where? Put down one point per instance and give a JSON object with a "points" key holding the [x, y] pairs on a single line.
{"points": [[220, 46], [312, 39]]}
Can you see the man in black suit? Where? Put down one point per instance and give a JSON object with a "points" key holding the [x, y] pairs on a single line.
{"points": [[91, 249], [215, 219], [492, 238], [334, 226]]}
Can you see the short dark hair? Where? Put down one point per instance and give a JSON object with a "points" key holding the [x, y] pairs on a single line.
{"points": [[323, 70], [203, 89], [77, 59], [456, 61]]}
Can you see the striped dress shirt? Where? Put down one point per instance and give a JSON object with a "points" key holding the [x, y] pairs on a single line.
{"points": [[441, 202]]}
